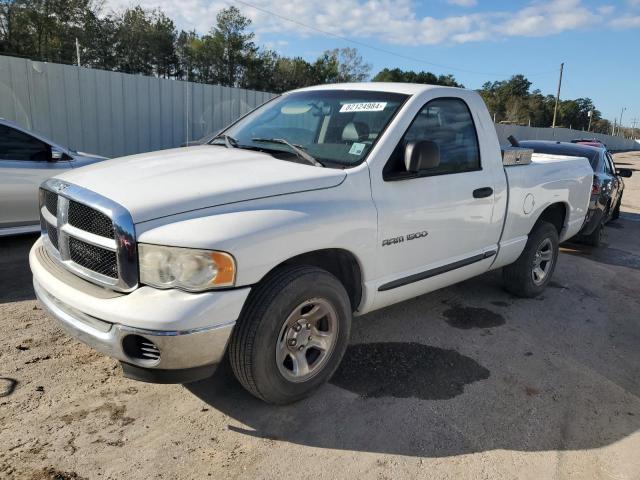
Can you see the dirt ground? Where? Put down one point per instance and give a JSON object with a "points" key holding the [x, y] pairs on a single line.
{"points": [[466, 382]]}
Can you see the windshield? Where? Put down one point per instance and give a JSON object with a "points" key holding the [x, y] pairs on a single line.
{"points": [[335, 127]]}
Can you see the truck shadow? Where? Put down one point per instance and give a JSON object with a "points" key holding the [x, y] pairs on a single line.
{"points": [[607, 254], [14, 265], [445, 389], [603, 254]]}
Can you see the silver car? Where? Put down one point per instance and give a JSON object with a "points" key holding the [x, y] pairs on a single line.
{"points": [[26, 160]]}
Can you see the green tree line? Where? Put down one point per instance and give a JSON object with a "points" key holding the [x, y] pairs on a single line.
{"points": [[141, 41], [147, 42], [511, 101]]}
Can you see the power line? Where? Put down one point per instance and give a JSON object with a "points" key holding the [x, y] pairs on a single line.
{"points": [[372, 47]]}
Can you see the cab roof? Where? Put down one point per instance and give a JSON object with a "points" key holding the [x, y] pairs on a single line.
{"points": [[390, 87]]}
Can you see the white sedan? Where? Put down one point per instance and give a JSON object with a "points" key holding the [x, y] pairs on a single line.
{"points": [[26, 160]]}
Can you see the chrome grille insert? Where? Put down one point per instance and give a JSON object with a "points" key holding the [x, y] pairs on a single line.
{"points": [[89, 235], [149, 350]]}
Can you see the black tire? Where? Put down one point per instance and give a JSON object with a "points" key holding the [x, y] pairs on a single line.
{"points": [[616, 211], [595, 238], [252, 348], [518, 277]]}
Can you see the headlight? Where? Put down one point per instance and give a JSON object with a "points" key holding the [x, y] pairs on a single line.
{"points": [[185, 268]]}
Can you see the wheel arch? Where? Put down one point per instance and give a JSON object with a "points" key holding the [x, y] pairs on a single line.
{"points": [[340, 262], [556, 214]]}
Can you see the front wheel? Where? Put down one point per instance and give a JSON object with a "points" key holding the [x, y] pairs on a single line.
{"points": [[529, 275], [291, 335]]}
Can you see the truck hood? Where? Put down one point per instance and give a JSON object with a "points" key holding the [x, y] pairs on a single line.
{"points": [[168, 182]]}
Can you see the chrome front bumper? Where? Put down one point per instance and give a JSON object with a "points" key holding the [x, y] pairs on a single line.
{"points": [[184, 356]]}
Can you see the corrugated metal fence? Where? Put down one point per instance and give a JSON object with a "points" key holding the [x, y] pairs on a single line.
{"points": [[115, 114]]}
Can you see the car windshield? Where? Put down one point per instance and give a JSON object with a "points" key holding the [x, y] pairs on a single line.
{"points": [[335, 127]]}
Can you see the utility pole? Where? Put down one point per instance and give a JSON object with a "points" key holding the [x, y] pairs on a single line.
{"points": [[78, 51], [620, 124], [590, 115], [633, 128], [555, 109]]}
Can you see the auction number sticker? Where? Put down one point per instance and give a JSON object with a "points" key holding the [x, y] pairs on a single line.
{"points": [[363, 107], [357, 148]]}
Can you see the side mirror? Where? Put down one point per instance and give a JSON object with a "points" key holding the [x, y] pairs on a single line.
{"points": [[56, 154], [624, 172], [420, 156]]}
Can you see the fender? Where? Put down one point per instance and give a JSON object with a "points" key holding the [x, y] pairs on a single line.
{"points": [[261, 234]]}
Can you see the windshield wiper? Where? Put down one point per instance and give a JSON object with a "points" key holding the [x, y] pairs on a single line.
{"points": [[229, 141], [297, 149]]}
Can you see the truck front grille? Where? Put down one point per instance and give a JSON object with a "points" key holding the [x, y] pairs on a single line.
{"points": [[90, 220], [53, 235], [94, 258], [51, 202], [79, 234]]}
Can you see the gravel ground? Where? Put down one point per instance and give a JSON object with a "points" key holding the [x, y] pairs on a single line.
{"points": [[467, 382]]}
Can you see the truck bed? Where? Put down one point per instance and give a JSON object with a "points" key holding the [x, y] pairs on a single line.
{"points": [[532, 187]]}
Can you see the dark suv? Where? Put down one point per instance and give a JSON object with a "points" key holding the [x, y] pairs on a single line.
{"points": [[606, 192]]}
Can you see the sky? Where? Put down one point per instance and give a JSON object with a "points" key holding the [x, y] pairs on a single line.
{"points": [[475, 40]]}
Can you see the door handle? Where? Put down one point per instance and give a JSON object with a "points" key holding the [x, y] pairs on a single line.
{"points": [[482, 192]]}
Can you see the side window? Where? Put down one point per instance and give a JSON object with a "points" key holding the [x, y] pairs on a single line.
{"points": [[448, 123], [16, 145]]}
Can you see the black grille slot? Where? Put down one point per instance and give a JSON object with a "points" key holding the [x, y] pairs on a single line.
{"points": [[51, 202], [53, 235], [90, 220], [94, 258], [141, 349]]}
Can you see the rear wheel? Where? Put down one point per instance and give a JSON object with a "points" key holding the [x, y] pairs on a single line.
{"points": [[291, 335], [595, 238], [529, 275]]}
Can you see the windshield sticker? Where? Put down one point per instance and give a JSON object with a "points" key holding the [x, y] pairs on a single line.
{"points": [[357, 148], [363, 107]]}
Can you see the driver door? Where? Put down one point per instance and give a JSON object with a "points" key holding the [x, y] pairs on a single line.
{"points": [[25, 162], [436, 227]]}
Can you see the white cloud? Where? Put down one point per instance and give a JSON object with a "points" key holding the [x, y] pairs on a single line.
{"points": [[463, 3], [542, 19], [606, 10], [388, 21], [626, 22]]}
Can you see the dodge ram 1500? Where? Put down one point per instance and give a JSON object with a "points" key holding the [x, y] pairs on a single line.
{"points": [[323, 203]]}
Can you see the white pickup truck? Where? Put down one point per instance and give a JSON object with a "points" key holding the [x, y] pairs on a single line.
{"points": [[323, 203]]}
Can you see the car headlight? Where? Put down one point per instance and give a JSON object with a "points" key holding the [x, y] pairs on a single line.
{"points": [[185, 268]]}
